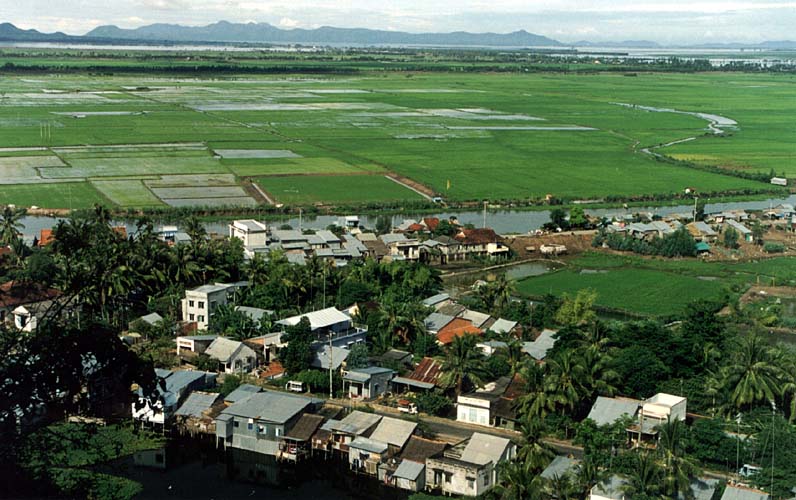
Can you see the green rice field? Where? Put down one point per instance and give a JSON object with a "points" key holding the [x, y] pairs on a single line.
{"points": [[329, 139], [657, 287]]}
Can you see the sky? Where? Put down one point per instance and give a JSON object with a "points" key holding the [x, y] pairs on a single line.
{"points": [[666, 22]]}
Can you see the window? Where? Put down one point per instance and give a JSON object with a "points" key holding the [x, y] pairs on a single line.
{"points": [[191, 317], [261, 429], [190, 303], [201, 304], [486, 480], [473, 417], [236, 424], [278, 431], [470, 483], [200, 318], [448, 477], [250, 426]]}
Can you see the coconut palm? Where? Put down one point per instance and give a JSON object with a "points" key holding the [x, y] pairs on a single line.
{"points": [[677, 467], [752, 375], [561, 487], [532, 451], [463, 365], [587, 474], [10, 227], [517, 482], [566, 374], [536, 403], [646, 478]]}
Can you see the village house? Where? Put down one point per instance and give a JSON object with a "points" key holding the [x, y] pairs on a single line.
{"points": [[232, 356], [437, 301], [330, 324], [538, 348], [252, 233], [367, 383], [607, 411], [425, 377], [410, 473], [702, 232], [441, 250], [560, 466], [738, 492], [325, 357], [400, 247], [197, 415], [459, 327], [482, 241], [474, 471], [159, 408], [296, 444], [200, 303], [367, 454], [744, 232], [194, 344], [477, 407], [243, 391], [23, 305], [654, 412], [258, 422], [355, 424]]}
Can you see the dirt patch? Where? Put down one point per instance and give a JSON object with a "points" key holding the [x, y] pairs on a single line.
{"points": [[425, 190], [576, 243]]}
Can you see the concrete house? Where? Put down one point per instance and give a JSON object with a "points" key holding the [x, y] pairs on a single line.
{"points": [[232, 356], [606, 411], [330, 323], [410, 473], [257, 423], [474, 471], [654, 412], [196, 344], [354, 425], [160, 407], [482, 241], [478, 407], [200, 303], [253, 234], [400, 247], [367, 383]]}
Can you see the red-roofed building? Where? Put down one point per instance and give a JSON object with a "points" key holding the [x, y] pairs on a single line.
{"points": [[121, 231], [431, 223], [45, 237], [457, 328]]}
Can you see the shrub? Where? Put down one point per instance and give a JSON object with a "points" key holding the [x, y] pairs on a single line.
{"points": [[433, 403], [771, 247]]}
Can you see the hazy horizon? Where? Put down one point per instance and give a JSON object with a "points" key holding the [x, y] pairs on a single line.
{"points": [[676, 22]]}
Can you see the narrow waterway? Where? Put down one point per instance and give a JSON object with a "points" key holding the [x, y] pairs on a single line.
{"points": [[502, 221]]}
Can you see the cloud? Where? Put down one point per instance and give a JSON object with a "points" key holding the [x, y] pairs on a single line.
{"points": [[163, 4], [286, 22]]}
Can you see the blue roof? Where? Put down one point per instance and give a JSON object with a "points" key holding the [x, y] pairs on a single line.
{"points": [[241, 392]]}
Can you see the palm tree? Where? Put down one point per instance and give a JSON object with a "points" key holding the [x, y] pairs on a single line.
{"points": [[464, 364], [561, 487], [645, 479], [587, 474], [678, 468], [536, 403], [566, 373], [517, 482], [533, 452], [752, 375], [10, 227]]}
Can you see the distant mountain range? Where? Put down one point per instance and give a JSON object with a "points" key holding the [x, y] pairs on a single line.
{"points": [[265, 33], [260, 33]]}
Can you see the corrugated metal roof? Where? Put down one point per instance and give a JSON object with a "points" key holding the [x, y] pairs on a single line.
{"points": [[209, 289], [539, 347], [436, 321], [414, 383], [322, 359], [151, 318], [419, 449], [390, 238], [223, 349], [271, 406], [428, 370], [410, 470], [606, 411], [363, 443], [255, 313], [436, 299], [738, 227], [196, 404], [323, 318], [559, 466], [476, 318], [364, 374], [740, 493], [393, 431], [702, 488], [243, 391], [357, 422], [484, 448], [305, 427], [503, 326]]}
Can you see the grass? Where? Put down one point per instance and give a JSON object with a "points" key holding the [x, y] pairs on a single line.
{"points": [[658, 287], [329, 189], [128, 193], [57, 195], [390, 128]]}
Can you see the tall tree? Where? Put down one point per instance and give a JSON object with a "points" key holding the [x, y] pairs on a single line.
{"points": [[10, 226], [464, 364], [752, 375]]}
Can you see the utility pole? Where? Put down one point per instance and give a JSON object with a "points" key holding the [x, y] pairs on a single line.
{"points": [[773, 415], [485, 203]]}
